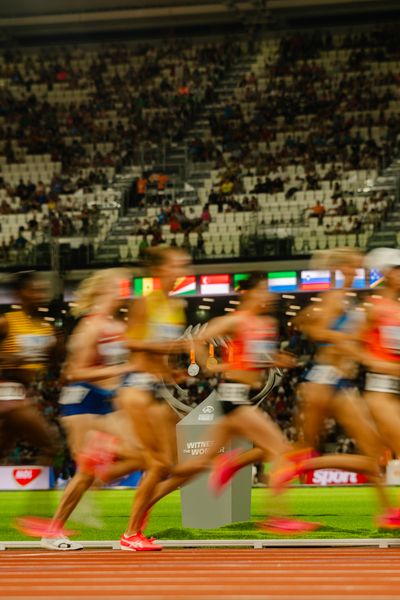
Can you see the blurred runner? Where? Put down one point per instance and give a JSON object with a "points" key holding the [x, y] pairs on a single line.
{"points": [[156, 322], [96, 433], [330, 389], [252, 349], [26, 345], [381, 339]]}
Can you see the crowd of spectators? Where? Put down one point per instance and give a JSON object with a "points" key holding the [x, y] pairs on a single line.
{"points": [[136, 95], [316, 110], [303, 97], [372, 210]]}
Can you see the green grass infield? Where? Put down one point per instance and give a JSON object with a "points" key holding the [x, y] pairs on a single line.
{"points": [[344, 512]]}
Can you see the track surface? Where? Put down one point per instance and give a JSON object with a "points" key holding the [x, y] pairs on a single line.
{"points": [[363, 573]]}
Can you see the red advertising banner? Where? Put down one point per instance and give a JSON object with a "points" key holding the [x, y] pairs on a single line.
{"points": [[325, 477]]}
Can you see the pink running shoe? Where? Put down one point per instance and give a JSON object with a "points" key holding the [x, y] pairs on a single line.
{"points": [[41, 527], [98, 453], [143, 524], [389, 520], [223, 470], [138, 543], [284, 526], [280, 478]]}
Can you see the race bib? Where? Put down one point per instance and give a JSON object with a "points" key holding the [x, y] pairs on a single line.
{"points": [[390, 337], [324, 374], [236, 393], [11, 391], [113, 353], [73, 394], [34, 348], [260, 352], [166, 331]]}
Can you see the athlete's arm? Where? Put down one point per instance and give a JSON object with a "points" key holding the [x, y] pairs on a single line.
{"points": [[3, 328], [321, 317]]}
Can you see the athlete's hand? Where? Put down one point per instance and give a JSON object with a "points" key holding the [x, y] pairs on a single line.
{"points": [[381, 366], [179, 347], [285, 360]]}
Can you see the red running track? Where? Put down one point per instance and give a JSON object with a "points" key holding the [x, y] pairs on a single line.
{"points": [[237, 574]]}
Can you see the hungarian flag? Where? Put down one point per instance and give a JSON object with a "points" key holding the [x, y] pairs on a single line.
{"points": [[315, 281], [214, 284], [184, 286]]}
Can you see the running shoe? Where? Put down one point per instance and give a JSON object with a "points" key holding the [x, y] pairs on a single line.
{"points": [[61, 543], [294, 467], [41, 527], [285, 526], [143, 524], [98, 453], [389, 520], [138, 543], [224, 469]]}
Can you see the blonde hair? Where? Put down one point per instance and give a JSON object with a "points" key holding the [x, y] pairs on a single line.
{"points": [[90, 288], [330, 259]]}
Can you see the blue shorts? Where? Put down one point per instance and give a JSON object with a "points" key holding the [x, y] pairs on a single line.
{"points": [[85, 398]]}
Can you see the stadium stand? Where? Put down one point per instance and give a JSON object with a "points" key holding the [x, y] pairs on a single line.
{"points": [[230, 148], [292, 152], [71, 118]]}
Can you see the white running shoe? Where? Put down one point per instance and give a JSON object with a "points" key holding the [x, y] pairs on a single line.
{"points": [[60, 543]]}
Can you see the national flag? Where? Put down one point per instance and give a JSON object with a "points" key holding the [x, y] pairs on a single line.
{"points": [[237, 278], [125, 288], [214, 284], [315, 281], [282, 281], [375, 278], [184, 286], [358, 281], [143, 286]]}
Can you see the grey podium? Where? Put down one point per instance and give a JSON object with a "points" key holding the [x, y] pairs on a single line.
{"points": [[200, 508]]}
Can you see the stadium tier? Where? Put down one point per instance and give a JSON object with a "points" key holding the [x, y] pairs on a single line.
{"points": [[292, 150], [228, 149]]}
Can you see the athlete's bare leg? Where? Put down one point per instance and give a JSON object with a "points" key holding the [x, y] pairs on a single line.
{"points": [[150, 420]]}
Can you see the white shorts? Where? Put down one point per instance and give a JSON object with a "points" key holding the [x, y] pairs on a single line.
{"points": [[11, 391], [377, 382], [324, 374], [235, 393]]}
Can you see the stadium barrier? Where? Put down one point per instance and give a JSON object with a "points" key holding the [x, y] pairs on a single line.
{"points": [[26, 477], [393, 472]]}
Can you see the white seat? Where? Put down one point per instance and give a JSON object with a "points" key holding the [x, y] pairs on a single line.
{"points": [[208, 248], [123, 252], [193, 237], [218, 248]]}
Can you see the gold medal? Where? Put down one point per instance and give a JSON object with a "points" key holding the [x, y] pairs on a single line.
{"points": [[211, 360]]}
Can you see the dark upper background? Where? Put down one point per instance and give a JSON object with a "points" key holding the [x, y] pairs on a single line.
{"points": [[52, 21]]}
